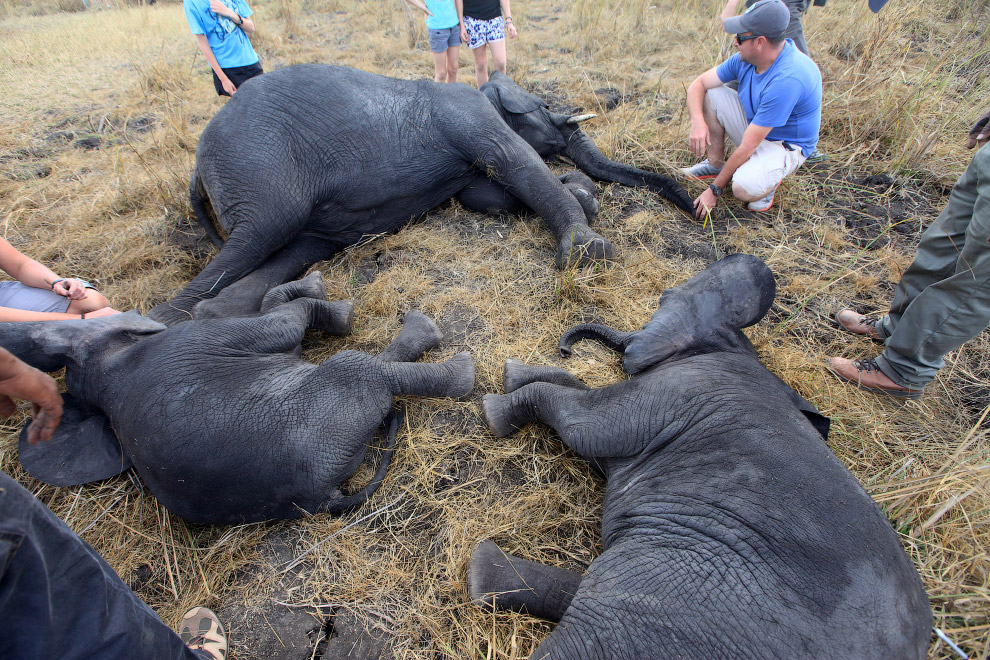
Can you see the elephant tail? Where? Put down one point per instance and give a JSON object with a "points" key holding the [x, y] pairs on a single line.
{"points": [[614, 339], [196, 194], [343, 503]]}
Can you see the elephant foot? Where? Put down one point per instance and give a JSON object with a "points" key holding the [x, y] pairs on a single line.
{"points": [[503, 582], [418, 334], [515, 375], [495, 408], [462, 377], [582, 246], [583, 188], [334, 318]]}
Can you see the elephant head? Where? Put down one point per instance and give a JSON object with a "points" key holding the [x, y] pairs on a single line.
{"points": [[704, 314], [553, 134]]}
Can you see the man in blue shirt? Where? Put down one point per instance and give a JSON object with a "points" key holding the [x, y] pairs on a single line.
{"points": [[221, 28], [773, 119]]}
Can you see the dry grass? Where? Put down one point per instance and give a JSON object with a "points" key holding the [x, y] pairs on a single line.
{"points": [[901, 91]]}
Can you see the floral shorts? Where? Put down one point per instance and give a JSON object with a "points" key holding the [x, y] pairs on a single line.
{"points": [[482, 32]]}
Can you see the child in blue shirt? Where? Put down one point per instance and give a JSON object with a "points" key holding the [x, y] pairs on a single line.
{"points": [[445, 36], [221, 28]]}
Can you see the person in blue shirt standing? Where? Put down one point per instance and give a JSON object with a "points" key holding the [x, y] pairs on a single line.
{"points": [[445, 36], [773, 119], [221, 28]]}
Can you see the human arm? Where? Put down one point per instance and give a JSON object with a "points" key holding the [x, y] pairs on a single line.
{"points": [[18, 380], [243, 22], [700, 139], [980, 133], [29, 272], [730, 10], [459, 5], [751, 139], [13, 314], [418, 4], [204, 46], [510, 28]]}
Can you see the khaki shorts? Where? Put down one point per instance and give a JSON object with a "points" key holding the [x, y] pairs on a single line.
{"points": [[771, 161]]}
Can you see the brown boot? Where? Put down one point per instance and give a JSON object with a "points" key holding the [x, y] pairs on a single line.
{"points": [[854, 322], [866, 375], [202, 632]]}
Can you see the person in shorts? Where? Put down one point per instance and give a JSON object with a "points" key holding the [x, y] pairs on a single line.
{"points": [[773, 118], [221, 28], [442, 24], [486, 22], [38, 294]]}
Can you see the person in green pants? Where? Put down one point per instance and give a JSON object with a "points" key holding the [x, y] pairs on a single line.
{"points": [[943, 298]]}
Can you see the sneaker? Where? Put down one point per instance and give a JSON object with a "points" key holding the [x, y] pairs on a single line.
{"points": [[856, 323], [764, 203], [202, 632], [817, 156], [866, 375], [703, 170]]}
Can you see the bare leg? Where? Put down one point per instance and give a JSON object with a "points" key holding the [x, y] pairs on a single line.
{"points": [[481, 64], [439, 67], [509, 583], [93, 301], [452, 63], [498, 55]]}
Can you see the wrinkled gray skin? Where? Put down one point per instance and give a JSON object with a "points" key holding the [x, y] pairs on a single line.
{"points": [[307, 160], [220, 417], [729, 529]]}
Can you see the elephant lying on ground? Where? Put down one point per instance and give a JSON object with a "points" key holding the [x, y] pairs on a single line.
{"points": [[730, 530], [307, 160], [220, 417]]}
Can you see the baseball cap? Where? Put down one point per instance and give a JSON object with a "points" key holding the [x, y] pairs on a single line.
{"points": [[766, 18]]}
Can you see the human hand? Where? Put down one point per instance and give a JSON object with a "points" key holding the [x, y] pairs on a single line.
{"points": [[18, 380], [464, 35], [227, 85], [71, 288], [510, 30], [221, 9], [980, 133], [699, 139], [105, 311], [705, 202]]}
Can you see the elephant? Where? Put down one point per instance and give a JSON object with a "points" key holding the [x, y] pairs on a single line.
{"points": [[729, 529], [222, 419], [307, 160]]}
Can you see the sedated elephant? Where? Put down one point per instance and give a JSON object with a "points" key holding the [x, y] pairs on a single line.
{"points": [[220, 417], [307, 160], [730, 530]]}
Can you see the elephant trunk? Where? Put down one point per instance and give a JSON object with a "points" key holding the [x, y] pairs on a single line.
{"points": [[614, 339], [453, 378], [593, 162], [341, 503]]}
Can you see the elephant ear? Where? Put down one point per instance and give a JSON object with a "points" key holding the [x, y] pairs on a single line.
{"points": [[507, 96], [84, 449]]}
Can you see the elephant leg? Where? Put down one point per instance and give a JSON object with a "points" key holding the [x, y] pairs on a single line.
{"points": [[486, 196], [311, 286], [499, 580], [453, 378], [418, 334], [248, 293], [517, 374], [282, 329], [583, 188]]}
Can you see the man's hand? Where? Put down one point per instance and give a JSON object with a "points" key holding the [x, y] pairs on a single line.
{"points": [[980, 133], [699, 139], [18, 380], [705, 203], [71, 288]]}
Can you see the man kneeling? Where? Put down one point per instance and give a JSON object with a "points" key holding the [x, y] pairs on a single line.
{"points": [[773, 118]]}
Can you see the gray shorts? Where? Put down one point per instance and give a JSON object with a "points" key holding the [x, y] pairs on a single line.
{"points": [[28, 298], [441, 40]]}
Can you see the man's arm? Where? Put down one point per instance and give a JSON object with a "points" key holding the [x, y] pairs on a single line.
{"points": [[752, 138], [700, 138], [18, 380], [204, 46], [730, 10]]}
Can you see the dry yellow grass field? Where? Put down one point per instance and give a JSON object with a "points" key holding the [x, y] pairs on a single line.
{"points": [[901, 90]]}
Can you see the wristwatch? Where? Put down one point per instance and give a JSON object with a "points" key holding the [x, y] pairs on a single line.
{"points": [[716, 190]]}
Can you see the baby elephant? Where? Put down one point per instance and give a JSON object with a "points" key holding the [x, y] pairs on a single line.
{"points": [[729, 529], [220, 417]]}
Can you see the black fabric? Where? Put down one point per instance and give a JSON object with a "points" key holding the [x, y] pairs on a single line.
{"points": [[483, 10], [237, 75]]}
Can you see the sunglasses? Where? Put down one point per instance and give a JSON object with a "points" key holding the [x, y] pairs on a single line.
{"points": [[740, 39]]}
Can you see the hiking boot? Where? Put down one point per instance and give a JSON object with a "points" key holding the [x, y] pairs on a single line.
{"points": [[764, 203], [866, 375], [852, 321], [816, 156], [703, 170], [202, 632]]}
